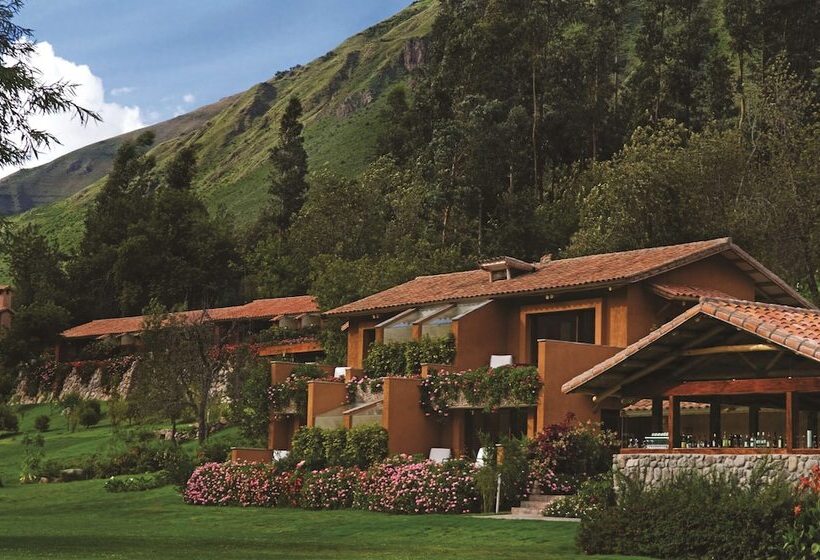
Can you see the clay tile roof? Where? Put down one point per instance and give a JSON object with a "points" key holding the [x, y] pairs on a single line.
{"points": [[257, 309], [556, 275], [685, 293], [794, 328]]}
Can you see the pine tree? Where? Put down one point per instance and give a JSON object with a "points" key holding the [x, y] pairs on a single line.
{"points": [[289, 160]]}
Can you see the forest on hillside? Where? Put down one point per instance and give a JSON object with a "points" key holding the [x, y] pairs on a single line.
{"points": [[533, 126]]}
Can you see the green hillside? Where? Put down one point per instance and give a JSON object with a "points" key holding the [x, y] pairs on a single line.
{"points": [[342, 94]]}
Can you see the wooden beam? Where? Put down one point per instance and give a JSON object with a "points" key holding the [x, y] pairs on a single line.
{"points": [[674, 422], [657, 365], [657, 415], [746, 386], [731, 349]]}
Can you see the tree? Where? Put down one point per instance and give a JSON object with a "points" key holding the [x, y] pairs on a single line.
{"points": [[25, 95], [289, 160], [184, 357]]}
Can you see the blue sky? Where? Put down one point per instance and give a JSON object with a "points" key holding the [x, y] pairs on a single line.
{"points": [[158, 58]]}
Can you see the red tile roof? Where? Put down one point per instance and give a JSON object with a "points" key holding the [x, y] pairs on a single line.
{"points": [[685, 293], [796, 329], [561, 275], [257, 309]]}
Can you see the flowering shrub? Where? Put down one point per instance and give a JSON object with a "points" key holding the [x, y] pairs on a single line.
{"points": [[565, 455], [292, 393], [362, 384], [47, 377], [331, 488], [136, 483], [485, 387], [359, 446], [284, 335], [248, 484], [400, 485], [593, 495], [802, 537]]}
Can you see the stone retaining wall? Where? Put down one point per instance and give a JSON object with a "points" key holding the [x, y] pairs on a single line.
{"points": [[654, 467]]}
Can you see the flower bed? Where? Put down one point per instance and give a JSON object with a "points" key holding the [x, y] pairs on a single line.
{"points": [[397, 485], [364, 390], [401, 485], [486, 388]]}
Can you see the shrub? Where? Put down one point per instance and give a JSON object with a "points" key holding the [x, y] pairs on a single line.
{"points": [[8, 419], [593, 495], [330, 488], [405, 358], [293, 391], [514, 471], [90, 413], [401, 485], [41, 423], [691, 516], [485, 387], [32, 459], [308, 445], [213, 452], [249, 484], [802, 536], [564, 455], [335, 443], [365, 445]]}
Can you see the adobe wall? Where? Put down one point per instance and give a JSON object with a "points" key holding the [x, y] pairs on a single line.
{"points": [[479, 335], [410, 429], [355, 341], [558, 362], [653, 468]]}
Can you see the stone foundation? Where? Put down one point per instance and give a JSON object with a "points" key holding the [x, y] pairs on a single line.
{"points": [[655, 467]]}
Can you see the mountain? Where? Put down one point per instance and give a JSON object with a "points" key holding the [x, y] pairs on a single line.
{"points": [[342, 94]]}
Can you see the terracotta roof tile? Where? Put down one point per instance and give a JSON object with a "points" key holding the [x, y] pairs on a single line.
{"points": [[795, 328], [682, 292], [257, 309], [557, 275]]}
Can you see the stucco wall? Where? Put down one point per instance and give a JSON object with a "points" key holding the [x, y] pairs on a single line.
{"points": [[653, 468]]}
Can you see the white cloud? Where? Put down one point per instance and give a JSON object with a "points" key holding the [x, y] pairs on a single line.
{"points": [[90, 93], [121, 91], [188, 98]]}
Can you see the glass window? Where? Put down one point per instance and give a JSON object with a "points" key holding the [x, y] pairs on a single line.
{"points": [[569, 326]]}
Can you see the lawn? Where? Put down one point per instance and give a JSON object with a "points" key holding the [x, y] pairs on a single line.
{"points": [[81, 520]]}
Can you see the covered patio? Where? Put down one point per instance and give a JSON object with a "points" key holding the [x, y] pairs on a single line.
{"points": [[725, 377]]}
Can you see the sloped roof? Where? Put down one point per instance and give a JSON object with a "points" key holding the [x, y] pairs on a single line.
{"points": [[257, 309], [793, 328], [685, 293], [573, 274]]}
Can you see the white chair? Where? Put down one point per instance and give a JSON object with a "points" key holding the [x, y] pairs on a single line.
{"points": [[499, 361], [481, 457], [340, 372], [279, 454], [440, 454]]}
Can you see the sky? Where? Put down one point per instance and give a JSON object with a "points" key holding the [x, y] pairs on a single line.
{"points": [[138, 63]]}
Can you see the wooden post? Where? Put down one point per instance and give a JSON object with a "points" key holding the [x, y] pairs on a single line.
{"points": [[657, 415], [790, 429], [674, 422], [714, 420], [754, 420]]}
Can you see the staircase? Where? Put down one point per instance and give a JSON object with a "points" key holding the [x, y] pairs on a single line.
{"points": [[533, 506]]}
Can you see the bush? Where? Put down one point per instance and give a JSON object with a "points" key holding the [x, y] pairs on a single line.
{"points": [[514, 471], [41, 423], [402, 485], [405, 358], [802, 536], [8, 419], [565, 455], [308, 445], [593, 495], [691, 516], [335, 443], [249, 484], [90, 413], [331, 488], [213, 452], [365, 445]]}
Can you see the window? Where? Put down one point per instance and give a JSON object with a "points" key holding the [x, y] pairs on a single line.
{"points": [[569, 326]]}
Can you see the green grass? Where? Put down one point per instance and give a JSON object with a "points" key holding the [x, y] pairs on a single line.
{"points": [[81, 520]]}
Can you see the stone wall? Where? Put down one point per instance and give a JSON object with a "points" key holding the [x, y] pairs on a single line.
{"points": [[654, 467]]}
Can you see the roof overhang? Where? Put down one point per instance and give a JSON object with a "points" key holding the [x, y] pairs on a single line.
{"points": [[714, 339]]}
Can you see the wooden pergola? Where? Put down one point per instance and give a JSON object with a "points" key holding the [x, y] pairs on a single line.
{"points": [[720, 352]]}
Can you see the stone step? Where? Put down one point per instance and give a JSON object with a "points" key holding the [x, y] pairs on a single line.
{"points": [[544, 498]]}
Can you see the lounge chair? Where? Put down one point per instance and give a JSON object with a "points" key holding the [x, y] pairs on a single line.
{"points": [[500, 361], [440, 454]]}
